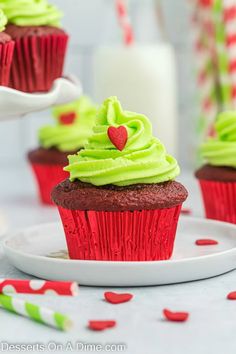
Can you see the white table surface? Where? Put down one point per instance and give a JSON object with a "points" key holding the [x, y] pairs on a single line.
{"points": [[211, 326]]}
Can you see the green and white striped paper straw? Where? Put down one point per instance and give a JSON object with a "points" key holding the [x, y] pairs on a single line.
{"points": [[222, 55], [36, 313]]}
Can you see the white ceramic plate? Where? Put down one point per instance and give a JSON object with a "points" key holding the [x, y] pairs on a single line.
{"points": [[15, 103], [27, 250]]}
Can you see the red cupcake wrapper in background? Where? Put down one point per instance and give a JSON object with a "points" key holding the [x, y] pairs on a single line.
{"points": [[219, 200], [48, 176], [6, 56], [146, 235], [37, 62]]}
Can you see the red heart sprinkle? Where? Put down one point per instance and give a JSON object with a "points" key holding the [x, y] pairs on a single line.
{"points": [[206, 242], [232, 295], [101, 325], [115, 298], [175, 316], [67, 118], [118, 136], [205, 3], [186, 211]]}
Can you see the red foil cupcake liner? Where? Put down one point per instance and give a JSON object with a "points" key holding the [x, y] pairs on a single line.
{"points": [[48, 176], [219, 200], [146, 235], [37, 62], [6, 56]]}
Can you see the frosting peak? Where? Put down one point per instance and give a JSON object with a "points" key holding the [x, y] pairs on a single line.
{"points": [[143, 159], [31, 12], [74, 123], [221, 150], [111, 114]]}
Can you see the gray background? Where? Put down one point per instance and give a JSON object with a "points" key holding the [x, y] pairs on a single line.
{"points": [[92, 23]]}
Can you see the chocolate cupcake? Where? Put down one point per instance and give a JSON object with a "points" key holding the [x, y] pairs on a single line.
{"points": [[85, 196], [51, 156], [217, 177], [6, 51], [74, 123], [40, 44], [121, 202]]}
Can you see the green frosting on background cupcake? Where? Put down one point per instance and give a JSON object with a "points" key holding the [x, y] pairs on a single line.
{"points": [[221, 150], [74, 123], [31, 12], [142, 160], [3, 21]]}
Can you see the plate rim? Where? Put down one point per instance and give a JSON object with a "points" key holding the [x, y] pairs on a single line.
{"points": [[9, 250]]}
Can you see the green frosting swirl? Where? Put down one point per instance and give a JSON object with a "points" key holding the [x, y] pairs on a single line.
{"points": [[31, 12], [143, 160], [3, 21], [221, 150], [73, 136]]}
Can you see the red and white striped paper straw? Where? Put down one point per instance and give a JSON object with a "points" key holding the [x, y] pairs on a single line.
{"points": [[25, 286], [229, 7], [125, 22], [205, 58]]}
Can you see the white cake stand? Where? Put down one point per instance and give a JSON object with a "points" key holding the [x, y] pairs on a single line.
{"points": [[14, 104]]}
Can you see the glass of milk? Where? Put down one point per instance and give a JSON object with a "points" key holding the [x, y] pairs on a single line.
{"points": [[143, 77]]}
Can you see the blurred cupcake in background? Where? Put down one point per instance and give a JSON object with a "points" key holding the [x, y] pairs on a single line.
{"points": [[40, 43], [121, 202], [6, 51], [72, 128], [217, 177]]}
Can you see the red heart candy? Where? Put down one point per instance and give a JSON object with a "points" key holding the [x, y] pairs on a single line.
{"points": [[101, 325], [186, 211], [67, 118], [205, 3], [118, 136], [175, 316], [115, 298], [232, 295], [206, 242]]}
